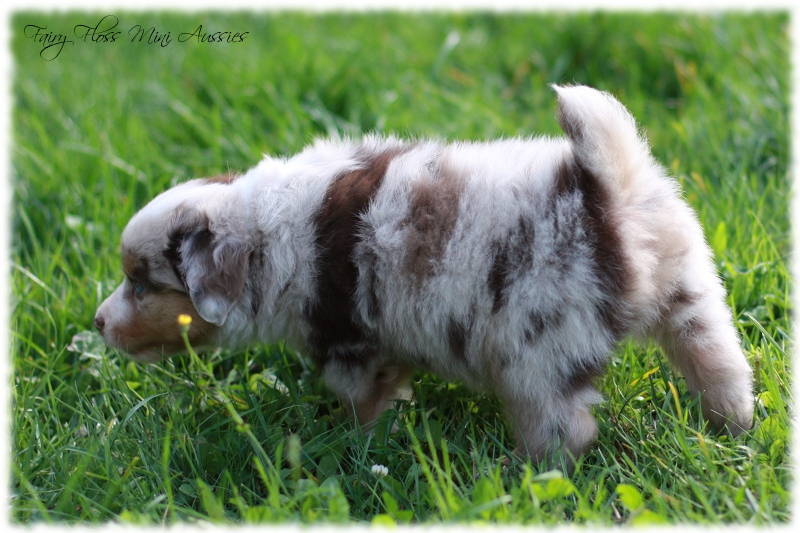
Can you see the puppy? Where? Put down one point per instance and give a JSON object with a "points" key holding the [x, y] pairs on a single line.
{"points": [[515, 265]]}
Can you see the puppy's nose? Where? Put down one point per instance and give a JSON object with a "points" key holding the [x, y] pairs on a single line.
{"points": [[99, 323]]}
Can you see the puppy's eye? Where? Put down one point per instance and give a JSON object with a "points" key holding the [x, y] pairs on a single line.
{"points": [[137, 287]]}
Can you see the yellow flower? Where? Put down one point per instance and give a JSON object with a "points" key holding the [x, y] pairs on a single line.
{"points": [[184, 320]]}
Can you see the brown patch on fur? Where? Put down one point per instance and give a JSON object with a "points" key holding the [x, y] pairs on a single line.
{"points": [[498, 278], [529, 336], [129, 261], [582, 374], [185, 221], [503, 363], [137, 268], [512, 255], [564, 180], [609, 262], [334, 326], [134, 266], [431, 220], [457, 338], [682, 297], [371, 280], [252, 286], [539, 323], [573, 129]]}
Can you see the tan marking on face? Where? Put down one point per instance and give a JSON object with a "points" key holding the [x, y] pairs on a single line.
{"points": [[128, 262], [146, 326]]}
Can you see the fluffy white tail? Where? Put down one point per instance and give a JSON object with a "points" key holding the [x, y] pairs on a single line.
{"points": [[603, 135]]}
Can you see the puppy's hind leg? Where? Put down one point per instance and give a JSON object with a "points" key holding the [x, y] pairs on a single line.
{"points": [[699, 338]]}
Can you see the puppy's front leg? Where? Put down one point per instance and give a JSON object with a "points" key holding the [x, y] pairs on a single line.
{"points": [[367, 388], [551, 423]]}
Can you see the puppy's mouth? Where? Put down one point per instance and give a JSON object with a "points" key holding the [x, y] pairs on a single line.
{"points": [[145, 356], [142, 351], [140, 354]]}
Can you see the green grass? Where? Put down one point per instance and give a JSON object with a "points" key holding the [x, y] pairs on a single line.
{"points": [[253, 436]]}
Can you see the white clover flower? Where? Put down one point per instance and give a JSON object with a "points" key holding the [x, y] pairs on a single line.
{"points": [[380, 470]]}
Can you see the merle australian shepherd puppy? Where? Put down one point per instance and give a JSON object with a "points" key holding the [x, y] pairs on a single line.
{"points": [[514, 265]]}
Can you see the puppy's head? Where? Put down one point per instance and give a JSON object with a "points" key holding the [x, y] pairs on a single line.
{"points": [[183, 253]]}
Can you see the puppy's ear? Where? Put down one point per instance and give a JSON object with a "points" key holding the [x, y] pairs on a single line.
{"points": [[213, 268]]}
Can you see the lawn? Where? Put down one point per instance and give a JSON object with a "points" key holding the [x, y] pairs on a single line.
{"points": [[253, 436]]}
